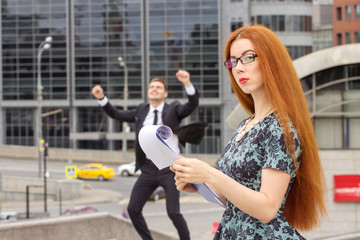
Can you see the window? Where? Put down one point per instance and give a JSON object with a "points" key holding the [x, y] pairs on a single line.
{"points": [[21, 35], [338, 14], [92, 119], [298, 51], [308, 24], [356, 37], [210, 144], [236, 24], [282, 23], [338, 39], [56, 127], [333, 131], [347, 13], [266, 20], [195, 29], [275, 22], [19, 126], [347, 38], [356, 12], [104, 31]]}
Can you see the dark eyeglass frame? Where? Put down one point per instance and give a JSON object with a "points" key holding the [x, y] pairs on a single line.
{"points": [[234, 64]]}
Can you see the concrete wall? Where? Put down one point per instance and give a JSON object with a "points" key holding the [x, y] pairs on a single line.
{"points": [[342, 217], [14, 188], [92, 226]]}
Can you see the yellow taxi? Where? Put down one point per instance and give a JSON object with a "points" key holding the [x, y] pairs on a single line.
{"points": [[95, 171]]}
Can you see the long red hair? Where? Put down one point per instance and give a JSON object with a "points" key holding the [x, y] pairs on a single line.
{"points": [[305, 202]]}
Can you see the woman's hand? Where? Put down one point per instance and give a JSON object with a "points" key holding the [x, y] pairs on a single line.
{"points": [[185, 187], [181, 186], [190, 170]]}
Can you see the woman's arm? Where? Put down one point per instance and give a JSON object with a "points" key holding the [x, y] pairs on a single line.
{"points": [[262, 205]]}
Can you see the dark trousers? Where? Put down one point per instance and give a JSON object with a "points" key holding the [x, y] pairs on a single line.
{"points": [[148, 181]]}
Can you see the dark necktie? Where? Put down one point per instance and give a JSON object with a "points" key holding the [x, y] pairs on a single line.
{"points": [[155, 117]]}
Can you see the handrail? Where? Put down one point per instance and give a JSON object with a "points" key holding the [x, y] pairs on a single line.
{"points": [[28, 200]]}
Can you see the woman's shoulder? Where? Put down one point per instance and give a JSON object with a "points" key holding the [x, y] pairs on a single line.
{"points": [[272, 123], [274, 129]]}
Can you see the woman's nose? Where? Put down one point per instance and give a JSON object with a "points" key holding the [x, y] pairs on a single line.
{"points": [[239, 66]]}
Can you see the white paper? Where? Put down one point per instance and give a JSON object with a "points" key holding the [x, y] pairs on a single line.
{"points": [[154, 141]]}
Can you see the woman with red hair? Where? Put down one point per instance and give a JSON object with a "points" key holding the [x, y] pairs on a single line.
{"points": [[270, 174]]}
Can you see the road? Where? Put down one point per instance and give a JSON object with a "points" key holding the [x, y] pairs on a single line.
{"points": [[199, 214]]}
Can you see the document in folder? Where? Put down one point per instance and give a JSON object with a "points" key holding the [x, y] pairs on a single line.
{"points": [[154, 141]]}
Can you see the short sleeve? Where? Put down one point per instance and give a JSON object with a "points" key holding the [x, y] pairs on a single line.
{"points": [[276, 154]]}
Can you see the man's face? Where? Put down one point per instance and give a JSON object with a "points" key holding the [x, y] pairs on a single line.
{"points": [[156, 91]]}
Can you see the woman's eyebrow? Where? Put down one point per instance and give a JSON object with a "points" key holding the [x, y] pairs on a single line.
{"points": [[245, 52]]}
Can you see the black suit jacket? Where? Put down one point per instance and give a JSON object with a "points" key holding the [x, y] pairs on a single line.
{"points": [[172, 115]]}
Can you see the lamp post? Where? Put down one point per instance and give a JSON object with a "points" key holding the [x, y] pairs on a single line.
{"points": [[46, 153], [125, 127], [43, 45]]}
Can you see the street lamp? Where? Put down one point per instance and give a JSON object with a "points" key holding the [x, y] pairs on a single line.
{"points": [[43, 45], [125, 127]]}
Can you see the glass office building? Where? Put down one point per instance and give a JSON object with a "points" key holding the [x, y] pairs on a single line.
{"points": [[155, 38]]}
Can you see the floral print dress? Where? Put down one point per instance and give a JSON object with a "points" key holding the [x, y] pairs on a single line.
{"points": [[263, 146]]}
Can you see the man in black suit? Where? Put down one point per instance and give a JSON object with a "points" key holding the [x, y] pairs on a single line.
{"points": [[157, 112]]}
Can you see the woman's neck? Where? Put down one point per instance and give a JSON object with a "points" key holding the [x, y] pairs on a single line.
{"points": [[262, 107]]}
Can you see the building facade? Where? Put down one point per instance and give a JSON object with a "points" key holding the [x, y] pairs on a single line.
{"points": [[331, 82], [291, 20], [322, 26], [155, 38], [346, 22]]}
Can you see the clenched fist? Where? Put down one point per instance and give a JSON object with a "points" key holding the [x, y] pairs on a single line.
{"points": [[184, 77], [98, 92]]}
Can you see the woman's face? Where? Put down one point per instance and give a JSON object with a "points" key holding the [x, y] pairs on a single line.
{"points": [[248, 76]]}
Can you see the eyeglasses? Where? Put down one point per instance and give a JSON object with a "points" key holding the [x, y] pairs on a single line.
{"points": [[244, 59]]}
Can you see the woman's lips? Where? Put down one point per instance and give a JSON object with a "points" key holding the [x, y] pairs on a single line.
{"points": [[243, 80]]}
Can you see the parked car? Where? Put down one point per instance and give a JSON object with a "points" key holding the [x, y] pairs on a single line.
{"points": [[127, 169], [158, 194], [79, 210], [95, 171], [8, 216]]}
